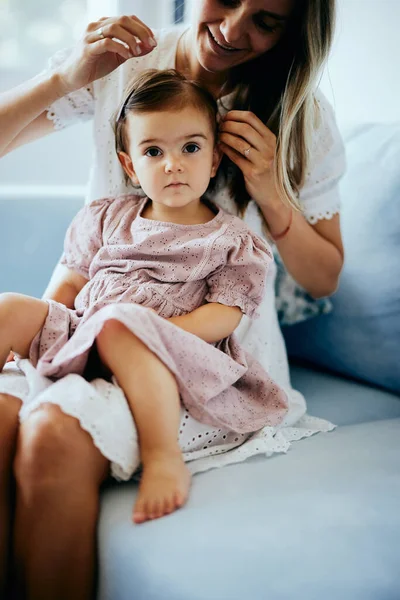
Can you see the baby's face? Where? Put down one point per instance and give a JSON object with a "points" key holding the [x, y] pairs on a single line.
{"points": [[173, 154]]}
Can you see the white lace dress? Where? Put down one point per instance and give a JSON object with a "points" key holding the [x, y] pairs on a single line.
{"points": [[101, 406]]}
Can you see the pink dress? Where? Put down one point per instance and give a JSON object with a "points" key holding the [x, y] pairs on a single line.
{"points": [[133, 263]]}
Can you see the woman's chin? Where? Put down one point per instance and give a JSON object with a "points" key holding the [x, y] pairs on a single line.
{"points": [[214, 59]]}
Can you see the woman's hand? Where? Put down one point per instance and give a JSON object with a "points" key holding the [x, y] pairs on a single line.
{"points": [[98, 53], [252, 147]]}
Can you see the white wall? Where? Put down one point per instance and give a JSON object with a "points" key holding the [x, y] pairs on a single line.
{"points": [[155, 13], [363, 76], [64, 158]]}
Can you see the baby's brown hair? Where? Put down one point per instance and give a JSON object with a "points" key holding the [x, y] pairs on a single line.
{"points": [[155, 90]]}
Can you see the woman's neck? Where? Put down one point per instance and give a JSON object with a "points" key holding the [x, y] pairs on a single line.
{"points": [[187, 64]]}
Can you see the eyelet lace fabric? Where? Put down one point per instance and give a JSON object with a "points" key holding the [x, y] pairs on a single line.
{"points": [[102, 411], [100, 406], [75, 107], [319, 196]]}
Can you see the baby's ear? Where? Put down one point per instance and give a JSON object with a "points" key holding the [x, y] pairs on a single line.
{"points": [[217, 157], [128, 167]]}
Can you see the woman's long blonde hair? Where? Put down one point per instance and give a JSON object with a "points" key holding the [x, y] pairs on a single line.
{"points": [[279, 87]]}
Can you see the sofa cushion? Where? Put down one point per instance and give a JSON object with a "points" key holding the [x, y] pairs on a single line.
{"points": [[343, 401], [316, 523], [361, 337], [32, 230]]}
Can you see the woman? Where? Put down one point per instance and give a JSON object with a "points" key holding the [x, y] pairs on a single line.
{"points": [[262, 60]]}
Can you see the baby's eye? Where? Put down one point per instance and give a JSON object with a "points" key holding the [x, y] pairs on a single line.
{"points": [[191, 148], [152, 152]]}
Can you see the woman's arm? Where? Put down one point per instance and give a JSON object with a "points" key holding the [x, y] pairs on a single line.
{"points": [[23, 109], [313, 254], [64, 286], [211, 322]]}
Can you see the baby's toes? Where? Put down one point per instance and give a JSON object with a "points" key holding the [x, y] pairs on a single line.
{"points": [[179, 499], [140, 511], [169, 504], [156, 509]]}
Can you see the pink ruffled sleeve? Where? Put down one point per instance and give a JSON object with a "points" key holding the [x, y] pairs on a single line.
{"points": [[241, 281], [84, 237]]}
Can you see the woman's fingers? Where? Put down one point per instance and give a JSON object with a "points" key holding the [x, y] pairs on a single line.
{"points": [[109, 45], [248, 117], [236, 157], [249, 138], [127, 29], [241, 146], [243, 134]]}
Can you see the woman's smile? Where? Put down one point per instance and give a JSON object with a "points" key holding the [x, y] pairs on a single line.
{"points": [[221, 47]]}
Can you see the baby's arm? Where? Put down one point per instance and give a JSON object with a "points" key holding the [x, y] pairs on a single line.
{"points": [[211, 322], [65, 287]]}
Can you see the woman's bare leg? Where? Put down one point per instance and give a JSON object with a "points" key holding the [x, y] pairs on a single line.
{"points": [[153, 396], [9, 409], [58, 474], [21, 317]]}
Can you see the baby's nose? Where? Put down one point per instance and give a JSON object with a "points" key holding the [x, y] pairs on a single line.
{"points": [[173, 164]]}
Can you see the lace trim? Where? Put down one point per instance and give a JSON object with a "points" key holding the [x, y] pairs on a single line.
{"points": [[321, 215], [268, 441], [71, 108], [90, 402], [78, 105], [323, 206]]}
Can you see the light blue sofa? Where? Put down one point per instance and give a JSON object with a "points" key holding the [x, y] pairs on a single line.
{"points": [[319, 523]]}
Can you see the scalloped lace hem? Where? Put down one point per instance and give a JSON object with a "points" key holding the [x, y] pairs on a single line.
{"points": [[56, 119], [268, 441], [74, 107], [321, 215], [102, 411]]}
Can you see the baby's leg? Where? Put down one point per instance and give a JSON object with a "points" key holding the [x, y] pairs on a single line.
{"points": [[21, 317], [9, 409], [153, 396]]}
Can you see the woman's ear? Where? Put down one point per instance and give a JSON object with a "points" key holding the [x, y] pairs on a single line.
{"points": [[128, 167], [217, 157]]}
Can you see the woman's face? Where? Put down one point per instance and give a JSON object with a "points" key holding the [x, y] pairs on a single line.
{"points": [[231, 32]]}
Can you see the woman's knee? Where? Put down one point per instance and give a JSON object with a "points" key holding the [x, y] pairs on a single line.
{"points": [[9, 423], [52, 447], [9, 411]]}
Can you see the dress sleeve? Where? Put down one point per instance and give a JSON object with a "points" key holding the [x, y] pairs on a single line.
{"points": [[75, 107], [319, 196], [84, 237], [241, 280]]}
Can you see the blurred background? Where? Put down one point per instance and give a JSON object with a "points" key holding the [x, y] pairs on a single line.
{"points": [[33, 30], [361, 80]]}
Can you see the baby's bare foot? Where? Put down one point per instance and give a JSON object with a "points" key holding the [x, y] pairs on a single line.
{"points": [[163, 488]]}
